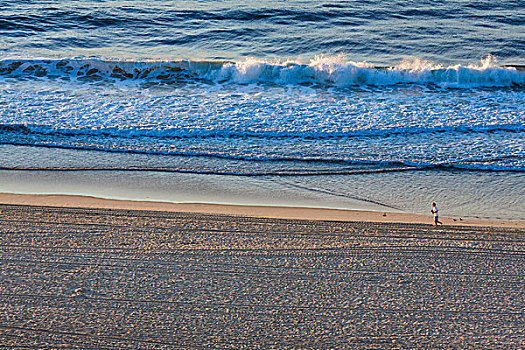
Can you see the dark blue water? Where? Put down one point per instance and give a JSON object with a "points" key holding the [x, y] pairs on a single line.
{"points": [[380, 32]]}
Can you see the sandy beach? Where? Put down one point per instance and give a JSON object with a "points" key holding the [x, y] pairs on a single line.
{"points": [[123, 278]]}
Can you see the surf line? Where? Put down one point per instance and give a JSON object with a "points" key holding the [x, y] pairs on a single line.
{"points": [[219, 172]]}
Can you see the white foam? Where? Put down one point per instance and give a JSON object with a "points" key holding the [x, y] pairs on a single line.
{"points": [[470, 128]]}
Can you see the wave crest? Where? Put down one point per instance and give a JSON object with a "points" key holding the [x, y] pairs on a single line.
{"points": [[16, 131], [334, 71]]}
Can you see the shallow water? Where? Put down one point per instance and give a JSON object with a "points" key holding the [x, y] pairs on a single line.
{"points": [[467, 194]]}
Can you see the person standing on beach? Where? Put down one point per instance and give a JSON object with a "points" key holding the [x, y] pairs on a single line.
{"points": [[435, 211]]}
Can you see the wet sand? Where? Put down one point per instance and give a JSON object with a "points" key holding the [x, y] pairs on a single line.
{"points": [[130, 279], [277, 212]]}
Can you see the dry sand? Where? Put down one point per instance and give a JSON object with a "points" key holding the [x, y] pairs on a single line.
{"points": [[125, 279]]}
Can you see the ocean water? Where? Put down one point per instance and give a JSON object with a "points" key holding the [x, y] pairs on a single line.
{"points": [[357, 105]]}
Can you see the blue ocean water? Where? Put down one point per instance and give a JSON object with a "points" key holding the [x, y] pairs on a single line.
{"points": [[299, 92]]}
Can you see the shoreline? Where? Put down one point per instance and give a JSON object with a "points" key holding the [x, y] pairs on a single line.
{"points": [[275, 212]]}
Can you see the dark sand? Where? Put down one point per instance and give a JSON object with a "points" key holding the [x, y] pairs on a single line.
{"points": [[122, 279]]}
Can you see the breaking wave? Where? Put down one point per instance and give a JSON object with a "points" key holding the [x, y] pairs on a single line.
{"points": [[334, 71]]}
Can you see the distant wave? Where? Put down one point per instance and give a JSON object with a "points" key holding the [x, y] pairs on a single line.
{"points": [[334, 71]]}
